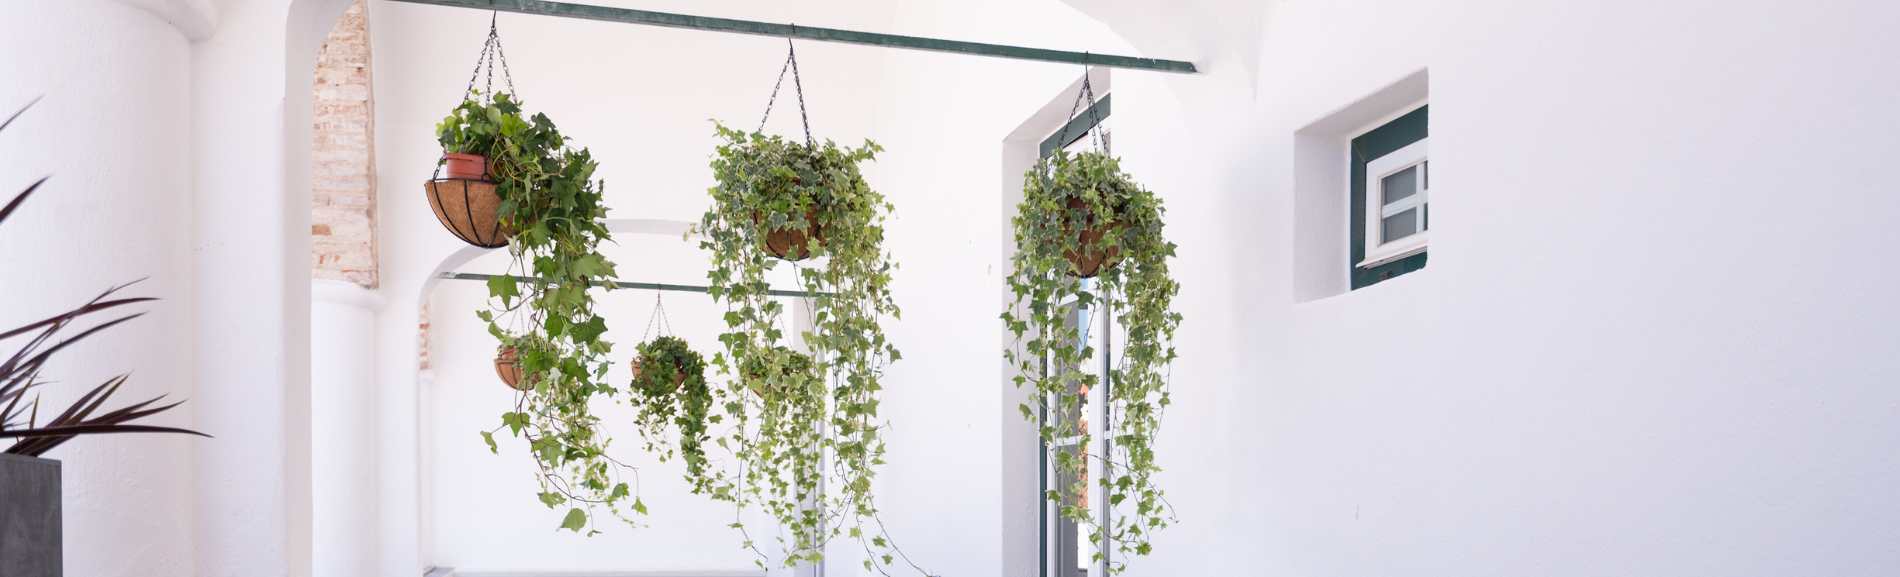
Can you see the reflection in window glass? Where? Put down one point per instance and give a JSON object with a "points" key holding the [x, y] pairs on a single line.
{"points": [[1400, 225], [1400, 185]]}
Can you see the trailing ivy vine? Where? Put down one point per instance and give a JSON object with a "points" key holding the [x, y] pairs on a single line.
{"points": [[546, 313], [789, 411], [1065, 198]]}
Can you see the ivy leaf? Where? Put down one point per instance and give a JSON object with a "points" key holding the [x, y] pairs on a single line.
{"points": [[589, 332], [638, 506], [576, 519], [593, 265], [490, 439], [504, 287]]}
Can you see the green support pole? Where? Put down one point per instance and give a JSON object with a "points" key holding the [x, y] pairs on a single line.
{"points": [[603, 13]]}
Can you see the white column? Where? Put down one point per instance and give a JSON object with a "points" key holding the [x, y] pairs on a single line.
{"points": [[250, 219], [343, 443], [112, 129]]}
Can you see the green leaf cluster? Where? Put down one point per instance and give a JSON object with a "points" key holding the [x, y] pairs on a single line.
{"points": [[546, 312], [1049, 354], [789, 410]]}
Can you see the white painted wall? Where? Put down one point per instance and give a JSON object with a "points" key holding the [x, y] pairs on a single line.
{"points": [[1651, 339], [113, 129]]}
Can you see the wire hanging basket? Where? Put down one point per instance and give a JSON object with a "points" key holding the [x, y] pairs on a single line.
{"points": [[1088, 260], [468, 201], [470, 209]]}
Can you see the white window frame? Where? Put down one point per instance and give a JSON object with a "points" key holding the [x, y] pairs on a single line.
{"points": [[1377, 252]]}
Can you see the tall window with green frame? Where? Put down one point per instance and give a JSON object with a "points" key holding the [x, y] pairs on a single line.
{"points": [[1391, 194], [1065, 550]]}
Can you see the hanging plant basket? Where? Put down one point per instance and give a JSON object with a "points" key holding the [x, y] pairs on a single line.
{"points": [[791, 242], [1081, 216], [483, 144], [791, 199], [669, 382], [541, 185], [470, 209], [508, 370], [1091, 256]]}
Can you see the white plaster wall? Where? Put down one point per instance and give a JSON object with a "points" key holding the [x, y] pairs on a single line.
{"points": [[113, 130], [1650, 340]]}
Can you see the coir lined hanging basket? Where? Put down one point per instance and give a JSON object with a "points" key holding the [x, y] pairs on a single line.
{"points": [[470, 209], [468, 201], [1089, 259]]}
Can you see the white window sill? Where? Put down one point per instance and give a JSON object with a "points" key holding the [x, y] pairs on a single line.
{"points": [[1396, 250]]}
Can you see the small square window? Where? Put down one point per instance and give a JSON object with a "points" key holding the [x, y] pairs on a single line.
{"points": [[1391, 199], [1397, 227]]}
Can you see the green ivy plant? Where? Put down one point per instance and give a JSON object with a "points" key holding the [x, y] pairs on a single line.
{"points": [[1063, 196], [548, 194], [670, 389], [784, 416], [475, 126]]}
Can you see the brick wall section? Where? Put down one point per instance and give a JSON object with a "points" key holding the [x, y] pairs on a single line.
{"points": [[422, 338], [343, 176]]}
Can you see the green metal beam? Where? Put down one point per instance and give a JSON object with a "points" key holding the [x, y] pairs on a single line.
{"points": [[631, 285], [603, 13]]}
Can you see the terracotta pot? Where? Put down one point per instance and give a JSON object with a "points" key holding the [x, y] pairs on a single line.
{"points": [[785, 241], [506, 368], [466, 166], [639, 370], [1088, 260], [469, 209]]}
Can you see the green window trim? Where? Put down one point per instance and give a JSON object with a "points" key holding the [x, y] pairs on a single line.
{"points": [[1394, 135]]}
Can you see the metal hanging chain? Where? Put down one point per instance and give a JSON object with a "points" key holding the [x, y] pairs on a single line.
{"points": [[1095, 121], [491, 51], [791, 63], [659, 316]]}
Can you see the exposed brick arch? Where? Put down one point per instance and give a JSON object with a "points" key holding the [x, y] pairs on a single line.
{"points": [[342, 171]]}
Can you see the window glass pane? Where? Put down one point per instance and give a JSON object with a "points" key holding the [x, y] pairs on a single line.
{"points": [[1400, 184], [1399, 226]]}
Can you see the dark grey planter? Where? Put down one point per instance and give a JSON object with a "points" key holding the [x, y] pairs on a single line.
{"points": [[29, 517]]}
